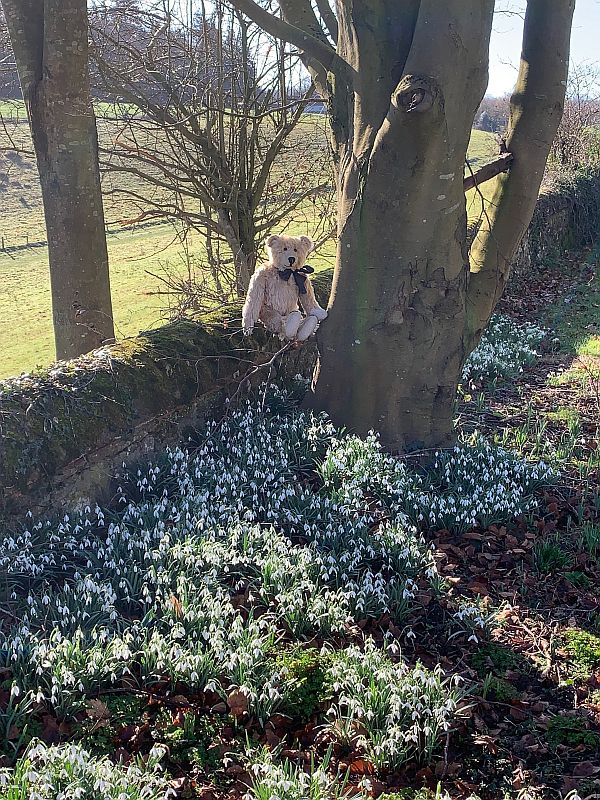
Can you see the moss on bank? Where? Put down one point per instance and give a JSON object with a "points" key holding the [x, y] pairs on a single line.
{"points": [[53, 416]]}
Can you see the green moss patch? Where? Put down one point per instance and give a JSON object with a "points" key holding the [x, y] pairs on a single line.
{"points": [[304, 672], [583, 651], [414, 794], [496, 659], [571, 732], [500, 690]]}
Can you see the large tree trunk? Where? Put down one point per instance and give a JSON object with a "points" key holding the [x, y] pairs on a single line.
{"points": [[392, 348], [51, 50], [402, 85]]}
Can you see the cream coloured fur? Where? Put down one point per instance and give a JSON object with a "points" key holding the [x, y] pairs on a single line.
{"points": [[274, 301]]}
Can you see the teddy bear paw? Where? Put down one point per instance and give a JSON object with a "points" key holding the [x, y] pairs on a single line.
{"points": [[319, 313]]}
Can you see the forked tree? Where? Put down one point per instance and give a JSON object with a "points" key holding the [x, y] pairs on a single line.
{"points": [[50, 44], [403, 80]]}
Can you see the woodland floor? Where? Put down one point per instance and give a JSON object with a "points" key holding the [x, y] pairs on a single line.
{"points": [[532, 728], [540, 724]]}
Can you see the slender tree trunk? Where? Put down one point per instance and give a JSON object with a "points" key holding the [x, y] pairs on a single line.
{"points": [[536, 109], [394, 337], [244, 267], [246, 255], [51, 50], [240, 237]]}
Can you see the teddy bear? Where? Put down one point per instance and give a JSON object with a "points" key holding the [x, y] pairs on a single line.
{"points": [[277, 287]]}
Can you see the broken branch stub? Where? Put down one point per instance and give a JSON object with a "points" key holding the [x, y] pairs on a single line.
{"points": [[416, 93]]}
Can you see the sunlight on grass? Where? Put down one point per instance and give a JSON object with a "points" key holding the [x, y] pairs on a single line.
{"points": [[26, 305], [576, 317], [575, 320]]}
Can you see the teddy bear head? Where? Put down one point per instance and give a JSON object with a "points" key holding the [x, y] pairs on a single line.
{"points": [[288, 251]]}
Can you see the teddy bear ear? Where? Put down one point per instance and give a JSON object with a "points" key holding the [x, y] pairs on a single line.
{"points": [[271, 240], [308, 243]]}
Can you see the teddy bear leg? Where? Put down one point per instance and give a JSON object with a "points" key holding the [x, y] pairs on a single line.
{"points": [[308, 327], [291, 323]]}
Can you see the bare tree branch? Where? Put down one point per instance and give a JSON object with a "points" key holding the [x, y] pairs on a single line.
{"points": [[214, 142], [301, 15], [329, 18], [488, 171], [318, 49]]}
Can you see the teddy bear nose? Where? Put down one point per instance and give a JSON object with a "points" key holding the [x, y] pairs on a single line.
{"points": [[291, 259]]}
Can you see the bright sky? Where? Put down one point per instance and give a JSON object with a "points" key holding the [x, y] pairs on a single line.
{"points": [[506, 42]]}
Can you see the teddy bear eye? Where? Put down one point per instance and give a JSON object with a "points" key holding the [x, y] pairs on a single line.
{"points": [[295, 249], [284, 249]]}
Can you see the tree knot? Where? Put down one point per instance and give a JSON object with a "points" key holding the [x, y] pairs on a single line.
{"points": [[415, 93]]}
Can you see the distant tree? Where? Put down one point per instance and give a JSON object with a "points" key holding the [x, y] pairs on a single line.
{"points": [[403, 82], [577, 142], [209, 127], [50, 45], [492, 114], [485, 123]]}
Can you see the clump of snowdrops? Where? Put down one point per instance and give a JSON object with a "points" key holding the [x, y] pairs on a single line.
{"points": [[506, 347], [150, 590]]}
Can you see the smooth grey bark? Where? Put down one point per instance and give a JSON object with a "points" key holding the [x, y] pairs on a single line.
{"points": [[397, 309], [50, 43]]}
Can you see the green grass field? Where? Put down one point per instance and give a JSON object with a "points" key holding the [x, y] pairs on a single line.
{"points": [[15, 109], [26, 324], [25, 319]]}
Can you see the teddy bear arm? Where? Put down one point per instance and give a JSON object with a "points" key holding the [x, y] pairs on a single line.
{"points": [[309, 303], [255, 297]]}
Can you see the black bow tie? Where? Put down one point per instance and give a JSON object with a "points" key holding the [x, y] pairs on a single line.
{"points": [[299, 276]]}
